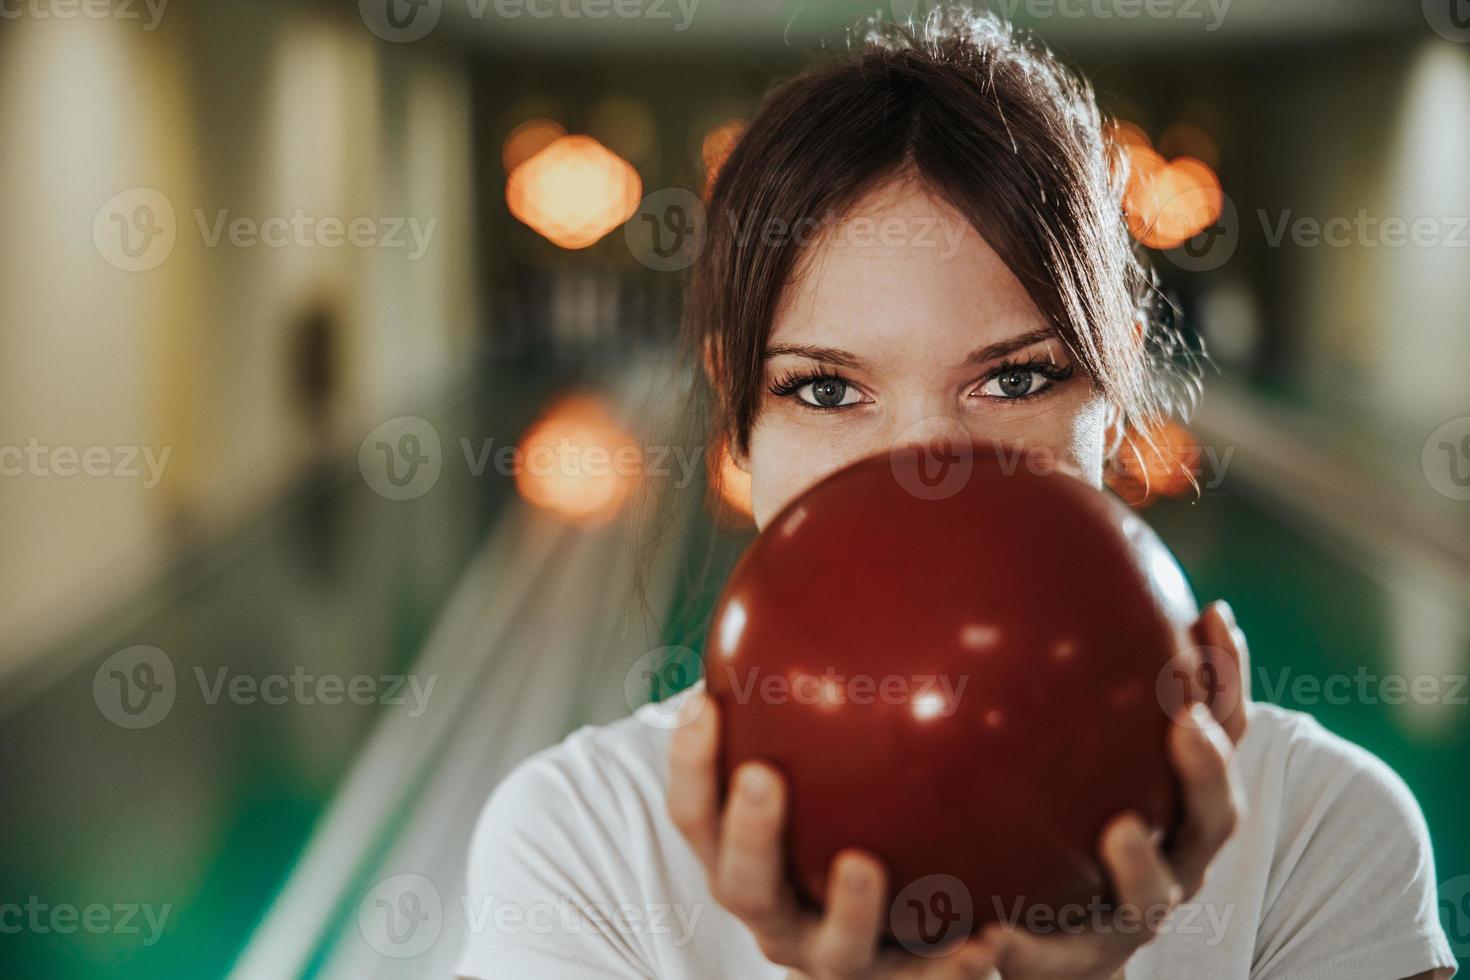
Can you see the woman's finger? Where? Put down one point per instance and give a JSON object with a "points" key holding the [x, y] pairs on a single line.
{"points": [[1143, 883], [693, 798], [846, 942], [1145, 892], [1019, 953], [1224, 652], [749, 875], [972, 961], [1200, 753]]}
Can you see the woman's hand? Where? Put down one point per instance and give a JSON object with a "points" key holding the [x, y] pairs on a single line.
{"points": [[743, 857], [1148, 883], [741, 851]]}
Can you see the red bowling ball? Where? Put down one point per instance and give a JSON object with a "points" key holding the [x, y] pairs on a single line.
{"points": [[966, 672]]}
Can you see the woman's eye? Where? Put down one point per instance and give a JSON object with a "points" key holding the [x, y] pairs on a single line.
{"points": [[828, 393], [1016, 383]]}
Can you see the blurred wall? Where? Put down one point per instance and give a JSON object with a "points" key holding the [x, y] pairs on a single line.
{"points": [[165, 366]]}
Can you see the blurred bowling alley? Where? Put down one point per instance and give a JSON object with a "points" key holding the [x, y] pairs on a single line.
{"points": [[347, 459]]}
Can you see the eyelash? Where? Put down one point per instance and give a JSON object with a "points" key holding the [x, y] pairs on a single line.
{"points": [[1048, 370], [793, 381]]}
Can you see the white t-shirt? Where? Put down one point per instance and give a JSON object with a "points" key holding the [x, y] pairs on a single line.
{"points": [[578, 873]]}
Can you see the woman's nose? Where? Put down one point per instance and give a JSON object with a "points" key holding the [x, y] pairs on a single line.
{"points": [[930, 429]]}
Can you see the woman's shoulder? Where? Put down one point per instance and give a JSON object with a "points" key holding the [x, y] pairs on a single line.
{"points": [[600, 775], [1349, 855], [1290, 754], [1330, 872]]}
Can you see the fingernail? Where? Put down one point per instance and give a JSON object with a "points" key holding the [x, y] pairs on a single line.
{"points": [[1226, 613], [855, 878], [1135, 834], [977, 963], [1200, 714], [756, 784]]}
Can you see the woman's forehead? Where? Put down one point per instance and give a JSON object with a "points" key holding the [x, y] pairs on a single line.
{"points": [[903, 268]]}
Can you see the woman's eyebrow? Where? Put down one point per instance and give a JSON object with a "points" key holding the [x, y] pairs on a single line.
{"points": [[1001, 348], [842, 358], [827, 355]]}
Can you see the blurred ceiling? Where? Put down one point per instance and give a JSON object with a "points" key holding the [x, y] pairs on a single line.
{"points": [[668, 25]]}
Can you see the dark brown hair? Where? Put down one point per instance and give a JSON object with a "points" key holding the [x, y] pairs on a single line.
{"points": [[997, 127]]}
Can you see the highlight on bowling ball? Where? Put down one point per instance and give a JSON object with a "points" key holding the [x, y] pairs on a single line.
{"points": [[968, 678]]}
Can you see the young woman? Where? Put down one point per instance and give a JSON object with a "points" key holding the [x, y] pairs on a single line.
{"points": [[921, 239]]}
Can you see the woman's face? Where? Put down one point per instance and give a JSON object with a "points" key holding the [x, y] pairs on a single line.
{"points": [[903, 326]]}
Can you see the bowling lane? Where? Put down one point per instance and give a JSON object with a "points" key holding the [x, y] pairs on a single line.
{"points": [[546, 632], [201, 816]]}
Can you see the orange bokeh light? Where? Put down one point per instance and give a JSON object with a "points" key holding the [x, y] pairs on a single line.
{"points": [[717, 146], [731, 505], [1188, 140], [1167, 468], [527, 140], [1167, 202], [574, 191], [734, 485], [577, 462], [1129, 135]]}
